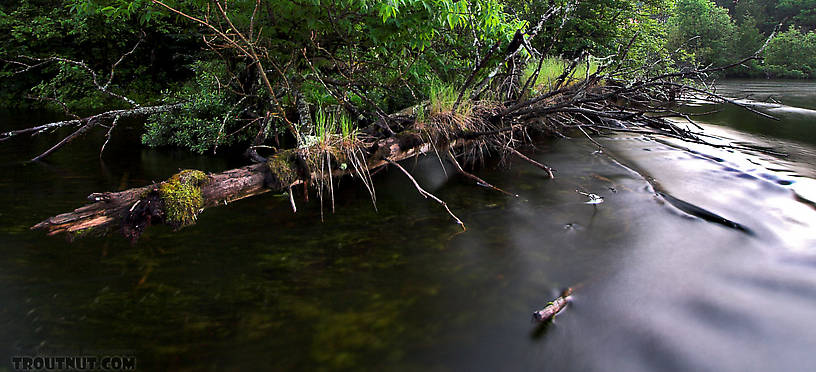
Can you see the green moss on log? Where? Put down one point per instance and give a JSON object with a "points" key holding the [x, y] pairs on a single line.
{"points": [[283, 168], [181, 195], [81, 233]]}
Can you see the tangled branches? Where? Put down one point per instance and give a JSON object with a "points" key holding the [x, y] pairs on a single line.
{"points": [[498, 109]]}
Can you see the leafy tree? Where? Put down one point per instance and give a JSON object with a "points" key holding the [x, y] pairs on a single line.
{"points": [[792, 54], [368, 57], [703, 29], [757, 19], [598, 27], [801, 12], [747, 40], [38, 28]]}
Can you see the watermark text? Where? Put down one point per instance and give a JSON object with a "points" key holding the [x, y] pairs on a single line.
{"points": [[74, 363]]}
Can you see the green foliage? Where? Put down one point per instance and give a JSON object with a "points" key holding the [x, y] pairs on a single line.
{"points": [[347, 128], [362, 55], [752, 21], [747, 40], [70, 84], [802, 12], [391, 50], [599, 27], [792, 54], [41, 28], [442, 97], [325, 126], [209, 115], [703, 29], [118, 10], [331, 127]]}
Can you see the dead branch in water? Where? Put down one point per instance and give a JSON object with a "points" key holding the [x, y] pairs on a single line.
{"points": [[427, 194], [124, 210], [531, 161], [553, 307], [478, 180]]}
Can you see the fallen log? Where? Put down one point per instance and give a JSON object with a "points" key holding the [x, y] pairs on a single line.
{"points": [[109, 209], [181, 198], [177, 203], [135, 209], [553, 307]]}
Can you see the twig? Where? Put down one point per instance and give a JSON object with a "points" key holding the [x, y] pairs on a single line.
{"points": [[531, 161], [85, 124], [513, 50], [476, 70], [478, 180], [587, 134], [292, 200], [90, 124], [104, 88], [146, 110], [224, 123]]}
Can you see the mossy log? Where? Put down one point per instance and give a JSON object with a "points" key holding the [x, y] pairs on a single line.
{"points": [[110, 210]]}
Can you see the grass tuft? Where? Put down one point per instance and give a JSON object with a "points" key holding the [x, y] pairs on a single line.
{"points": [[442, 98], [552, 68]]}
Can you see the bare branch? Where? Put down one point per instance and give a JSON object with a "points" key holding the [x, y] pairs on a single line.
{"points": [[108, 135], [426, 194], [478, 180]]}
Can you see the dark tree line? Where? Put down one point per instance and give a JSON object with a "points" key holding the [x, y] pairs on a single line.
{"points": [[721, 31]]}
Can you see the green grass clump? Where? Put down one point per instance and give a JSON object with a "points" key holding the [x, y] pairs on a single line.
{"points": [[552, 68], [443, 96], [331, 127], [182, 197], [324, 126], [347, 129]]}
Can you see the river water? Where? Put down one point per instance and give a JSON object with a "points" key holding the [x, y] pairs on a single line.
{"points": [[253, 286]]}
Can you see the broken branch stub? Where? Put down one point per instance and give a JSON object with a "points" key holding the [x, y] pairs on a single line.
{"points": [[553, 307]]}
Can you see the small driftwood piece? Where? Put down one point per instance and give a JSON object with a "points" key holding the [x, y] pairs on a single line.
{"points": [[553, 307]]}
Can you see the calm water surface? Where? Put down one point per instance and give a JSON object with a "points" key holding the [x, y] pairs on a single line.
{"points": [[254, 287]]}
